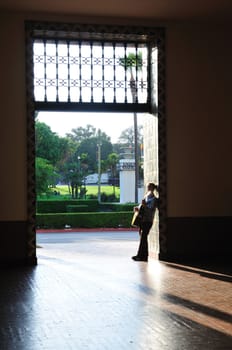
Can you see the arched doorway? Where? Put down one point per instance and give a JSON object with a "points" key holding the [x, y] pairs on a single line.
{"points": [[81, 59]]}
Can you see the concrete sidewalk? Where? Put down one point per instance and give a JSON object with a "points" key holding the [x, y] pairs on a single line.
{"points": [[78, 229]]}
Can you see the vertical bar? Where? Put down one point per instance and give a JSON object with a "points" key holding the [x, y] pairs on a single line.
{"points": [[114, 70], [99, 167], [45, 72], [103, 73], [68, 54], [91, 69], [149, 75], [80, 72], [136, 72], [125, 73], [57, 74], [135, 100]]}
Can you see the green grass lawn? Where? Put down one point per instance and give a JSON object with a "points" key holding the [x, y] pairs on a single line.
{"points": [[91, 190]]}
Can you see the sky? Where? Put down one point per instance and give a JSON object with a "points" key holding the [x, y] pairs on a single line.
{"points": [[111, 123]]}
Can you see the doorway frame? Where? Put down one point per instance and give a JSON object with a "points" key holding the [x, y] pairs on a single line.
{"points": [[150, 35]]}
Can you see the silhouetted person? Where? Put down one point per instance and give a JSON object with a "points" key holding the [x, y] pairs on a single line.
{"points": [[147, 209]]}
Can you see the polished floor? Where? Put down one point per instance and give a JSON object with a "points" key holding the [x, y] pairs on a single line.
{"points": [[87, 293]]}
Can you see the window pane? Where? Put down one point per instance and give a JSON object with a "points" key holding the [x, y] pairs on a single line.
{"points": [[73, 71]]}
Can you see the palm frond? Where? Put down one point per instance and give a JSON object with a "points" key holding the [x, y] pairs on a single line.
{"points": [[132, 60]]}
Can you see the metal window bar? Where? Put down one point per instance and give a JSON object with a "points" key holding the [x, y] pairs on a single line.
{"points": [[149, 74], [57, 74], [80, 73], [45, 72], [91, 74], [125, 73], [69, 77], [103, 72], [108, 58], [136, 72], [114, 73]]}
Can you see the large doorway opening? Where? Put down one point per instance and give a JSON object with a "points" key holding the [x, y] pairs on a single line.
{"points": [[73, 68], [82, 148]]}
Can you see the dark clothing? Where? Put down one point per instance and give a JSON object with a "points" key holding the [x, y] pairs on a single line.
{"points": [[151, 203], [143, 245], [149, 208]]}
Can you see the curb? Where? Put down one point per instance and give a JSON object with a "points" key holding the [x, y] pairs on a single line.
{"points": [[101, 229]]}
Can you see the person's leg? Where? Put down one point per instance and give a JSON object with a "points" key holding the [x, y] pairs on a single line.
{"points": [[143, 244]]}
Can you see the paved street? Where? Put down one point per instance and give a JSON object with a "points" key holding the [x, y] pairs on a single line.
{"points": [[92, 245], [74, 237]]}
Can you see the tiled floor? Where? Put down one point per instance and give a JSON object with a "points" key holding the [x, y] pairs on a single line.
{"points": [[87, 293]]}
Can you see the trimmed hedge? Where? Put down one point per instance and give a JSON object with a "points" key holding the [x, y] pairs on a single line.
{"points": [[60, 206], [91, 205], [115, 207], [84, 220], [77, 208]]}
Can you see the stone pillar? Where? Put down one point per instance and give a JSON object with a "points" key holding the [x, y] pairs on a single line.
{"points": [[151, 172]]}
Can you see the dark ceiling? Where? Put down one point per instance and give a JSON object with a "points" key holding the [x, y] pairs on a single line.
{"points": [[143, 9]]}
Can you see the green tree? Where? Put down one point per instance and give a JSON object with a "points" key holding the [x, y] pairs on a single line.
{"points": [[48, 144], [127, 135], [89, 146], [74, 171], [45, 175], [80, 134], [112, 161], [53, 150]]}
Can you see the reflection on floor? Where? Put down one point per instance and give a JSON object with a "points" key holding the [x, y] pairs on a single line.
{"points": [[87, 293]]}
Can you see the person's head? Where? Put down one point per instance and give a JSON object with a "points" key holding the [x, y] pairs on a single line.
{"points": [[152, 187]]}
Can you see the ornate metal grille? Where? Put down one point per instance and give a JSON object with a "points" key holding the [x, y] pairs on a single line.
{"points": [[90, 72]]}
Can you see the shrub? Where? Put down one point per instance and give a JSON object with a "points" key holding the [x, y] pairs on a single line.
{"points": [[77, 208], [53, 206], [108, 197], [115, 207], [91, 205], [84, 220]]}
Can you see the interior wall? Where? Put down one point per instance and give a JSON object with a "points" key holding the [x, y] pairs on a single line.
{"points": [[199, 125], [13, 120], [199, 122]]}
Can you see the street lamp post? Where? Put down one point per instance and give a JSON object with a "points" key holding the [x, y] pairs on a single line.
{"points": [[78, 174], [99, 171], [136, 157]]}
